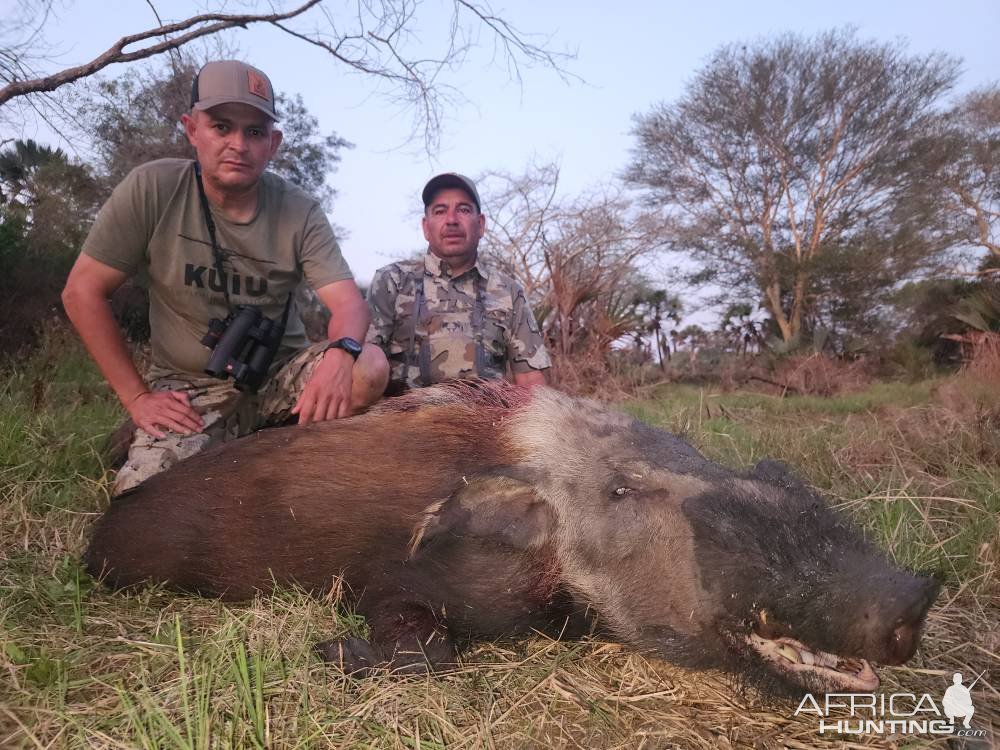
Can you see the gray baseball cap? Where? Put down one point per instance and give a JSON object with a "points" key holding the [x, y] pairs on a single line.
{"points": [[225, 81], [450, 180]]}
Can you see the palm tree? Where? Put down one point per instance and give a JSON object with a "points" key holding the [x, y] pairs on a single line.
{"points": [[20, 165]]}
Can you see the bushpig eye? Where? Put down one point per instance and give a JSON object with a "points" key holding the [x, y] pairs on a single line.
{"points": [[623, 491]]}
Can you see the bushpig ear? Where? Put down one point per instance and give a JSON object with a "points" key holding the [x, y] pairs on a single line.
{"points": [[777, 473], [500, 506]]}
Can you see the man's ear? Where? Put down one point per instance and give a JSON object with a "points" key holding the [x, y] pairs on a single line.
{"points": [[190, 126], [497, 506], [276, 137]]}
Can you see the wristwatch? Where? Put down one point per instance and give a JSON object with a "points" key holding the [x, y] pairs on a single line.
{"points": [[348, 344]]}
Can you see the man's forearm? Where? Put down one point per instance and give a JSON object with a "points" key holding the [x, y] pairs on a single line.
{"points": [[351, 320], [92, 318]]}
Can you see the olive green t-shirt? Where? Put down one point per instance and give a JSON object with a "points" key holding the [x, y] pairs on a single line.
{"points": [[153, 222]]}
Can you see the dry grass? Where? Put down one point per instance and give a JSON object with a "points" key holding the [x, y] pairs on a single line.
{"points": [[85, 668], [165, 671], [819, 375]]}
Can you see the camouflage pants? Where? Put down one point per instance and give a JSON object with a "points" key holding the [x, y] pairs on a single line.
{"points": [[227, 414]]}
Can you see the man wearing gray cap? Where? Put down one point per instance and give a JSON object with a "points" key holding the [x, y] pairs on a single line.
{"points": [[223, 244], [449, 314]]}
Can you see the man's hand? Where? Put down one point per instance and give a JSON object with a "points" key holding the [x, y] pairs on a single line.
{"points": [[169, 410], [327, 395]]}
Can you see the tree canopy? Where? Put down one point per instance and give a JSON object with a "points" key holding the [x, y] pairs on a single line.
{"points": [[967, 147], [47, 201], [788, 169]]}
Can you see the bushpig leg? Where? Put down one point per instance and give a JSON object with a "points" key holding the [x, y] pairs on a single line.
{"points": [[406, 638]]}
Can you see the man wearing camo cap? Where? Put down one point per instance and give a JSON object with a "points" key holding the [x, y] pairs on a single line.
{"points": [[449, 314], [215, 235]]}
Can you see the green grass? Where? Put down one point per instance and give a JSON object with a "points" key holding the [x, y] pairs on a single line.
{"points": [[83, 667]]}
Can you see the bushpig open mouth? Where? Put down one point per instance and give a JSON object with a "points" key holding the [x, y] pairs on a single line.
{"points": [[799, 664]]}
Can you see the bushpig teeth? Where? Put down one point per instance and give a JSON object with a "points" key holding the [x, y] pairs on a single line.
{"points": [[866, 671], [796, 658], [829, 661], [853, 666], [790, 653]]}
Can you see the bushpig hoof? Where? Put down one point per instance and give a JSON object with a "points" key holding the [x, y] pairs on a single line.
{"points": [[354, 656], [435, 653]]}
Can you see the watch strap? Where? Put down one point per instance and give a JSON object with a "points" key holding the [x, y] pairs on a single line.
{"points": [[339, 344]]}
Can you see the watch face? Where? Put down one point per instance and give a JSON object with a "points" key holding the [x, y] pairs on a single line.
{"points": [[349, 345]]}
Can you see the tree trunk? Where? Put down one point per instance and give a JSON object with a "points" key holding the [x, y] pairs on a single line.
{"points": [[798, 303], [773, 296]]}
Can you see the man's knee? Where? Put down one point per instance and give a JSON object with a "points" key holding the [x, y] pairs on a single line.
{"points": [[148, 456], [370, 377], [222, 409]]}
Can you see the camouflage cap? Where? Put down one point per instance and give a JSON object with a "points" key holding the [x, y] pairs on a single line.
{"points": [[226, 81], [450, 180]]}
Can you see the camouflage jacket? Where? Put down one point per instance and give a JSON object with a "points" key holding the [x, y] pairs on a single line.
{"points": [[478, 323]]}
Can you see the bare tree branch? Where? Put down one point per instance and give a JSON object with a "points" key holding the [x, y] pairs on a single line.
{"points": [[376, 39], [580, 260], [216, 22]]}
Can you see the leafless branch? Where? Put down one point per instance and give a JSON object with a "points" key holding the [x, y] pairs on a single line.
{"points": [[211, 23], [579, 260], [375, 39]]}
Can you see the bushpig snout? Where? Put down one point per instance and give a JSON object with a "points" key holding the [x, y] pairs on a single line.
{"points": [[893, 627]]}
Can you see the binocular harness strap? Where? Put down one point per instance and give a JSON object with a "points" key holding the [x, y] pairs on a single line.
{"points": [[210, 223], [217, 253], [424, 353]]}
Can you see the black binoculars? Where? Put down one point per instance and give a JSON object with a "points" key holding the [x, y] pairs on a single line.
{"points": [[243, 346]]}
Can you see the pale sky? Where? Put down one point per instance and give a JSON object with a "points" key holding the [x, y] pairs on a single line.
{"points": [[630, 55]]}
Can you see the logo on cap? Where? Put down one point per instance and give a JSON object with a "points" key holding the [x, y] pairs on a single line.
{"points": [[257, 85]]}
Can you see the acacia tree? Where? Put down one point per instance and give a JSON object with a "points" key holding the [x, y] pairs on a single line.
{"points": [[784, 153], [968, 151], [376, 39]]}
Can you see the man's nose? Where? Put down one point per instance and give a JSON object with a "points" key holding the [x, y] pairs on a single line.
{"points": [[237, 141]]}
